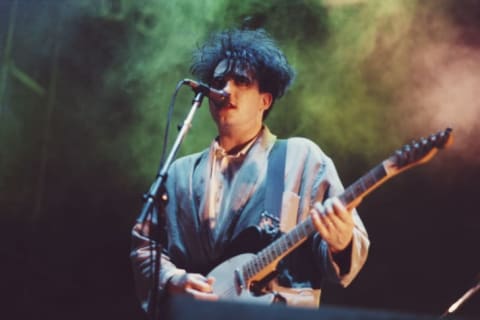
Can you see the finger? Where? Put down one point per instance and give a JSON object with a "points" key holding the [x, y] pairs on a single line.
{"points": [[202, 295], [330, 217], [199, 282], [339, 207], [343, 215], [319, 225], [334, 215], [327, 215], [328, 221], [211, 280]]}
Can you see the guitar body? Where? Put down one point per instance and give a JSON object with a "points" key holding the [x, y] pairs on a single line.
{"points": [[230, 284], [251, 240]]}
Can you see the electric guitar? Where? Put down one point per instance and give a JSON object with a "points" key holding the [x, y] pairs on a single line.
{"points": [[237, 277]]}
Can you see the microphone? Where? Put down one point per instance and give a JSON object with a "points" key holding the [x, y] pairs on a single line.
{"points": [[219, 97]]}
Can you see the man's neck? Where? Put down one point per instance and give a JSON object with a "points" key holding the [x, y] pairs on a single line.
{"points": [[233, 143]]}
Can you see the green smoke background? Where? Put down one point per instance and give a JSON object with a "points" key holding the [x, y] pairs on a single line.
{"points": [[84, 92]]}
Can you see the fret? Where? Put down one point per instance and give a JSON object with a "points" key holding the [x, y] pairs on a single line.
{"points": [[252, 268], [357, 188], [305, 227], [276, 248], [259, 265], [274, 253], [347, 197], [270, 255], [282, 244], [379, 172], [256, 268], [371, 178], [295, 234], [302, 232], [246, 274], [248, 270], [262, 257]]}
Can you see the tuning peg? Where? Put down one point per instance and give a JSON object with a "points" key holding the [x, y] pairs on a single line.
{"points": [[444, 138], [400, 158]]}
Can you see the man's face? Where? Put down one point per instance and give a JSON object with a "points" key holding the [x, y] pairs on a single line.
{"points": [[247, 103]]}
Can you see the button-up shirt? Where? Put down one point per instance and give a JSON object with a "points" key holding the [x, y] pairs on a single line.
{"points": [[213, 197]]}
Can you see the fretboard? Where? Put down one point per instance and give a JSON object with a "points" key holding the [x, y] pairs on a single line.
{"points": [[364, 185]]}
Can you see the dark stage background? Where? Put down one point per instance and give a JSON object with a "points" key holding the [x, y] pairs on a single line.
{"points": [[84, 90]]}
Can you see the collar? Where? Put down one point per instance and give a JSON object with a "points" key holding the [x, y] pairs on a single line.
{"points": [[264, 138]]}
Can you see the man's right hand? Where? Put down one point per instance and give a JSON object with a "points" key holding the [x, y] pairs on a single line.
{"points": [[194, 284]]}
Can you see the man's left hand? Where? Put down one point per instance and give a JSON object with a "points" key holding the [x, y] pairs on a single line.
{"points": [[334, 223]]}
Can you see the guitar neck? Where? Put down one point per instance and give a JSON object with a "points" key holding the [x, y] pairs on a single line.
{"points": [[299, 234], [366, 184]]}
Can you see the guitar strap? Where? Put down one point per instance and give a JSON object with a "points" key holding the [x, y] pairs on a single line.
{"points": [[275, 182], [301, 297]]}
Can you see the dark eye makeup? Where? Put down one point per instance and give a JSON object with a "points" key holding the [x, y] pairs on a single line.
{"points": [[221, 81]]}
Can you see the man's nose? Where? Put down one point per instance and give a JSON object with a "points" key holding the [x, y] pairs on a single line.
{"points": [[229, 85]]}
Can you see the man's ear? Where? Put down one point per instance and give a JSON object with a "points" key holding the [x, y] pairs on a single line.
{"points": [[267, 100]]}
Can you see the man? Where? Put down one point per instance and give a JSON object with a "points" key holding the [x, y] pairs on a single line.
{"points": [[216, 194]]}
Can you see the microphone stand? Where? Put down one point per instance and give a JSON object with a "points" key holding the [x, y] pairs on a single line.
{"points": [[152, 197], [459, 302]]}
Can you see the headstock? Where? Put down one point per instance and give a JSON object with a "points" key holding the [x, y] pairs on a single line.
{"points": [[421, 151]]}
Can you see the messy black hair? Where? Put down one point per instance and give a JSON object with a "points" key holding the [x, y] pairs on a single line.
{"points": [[254, 50]]}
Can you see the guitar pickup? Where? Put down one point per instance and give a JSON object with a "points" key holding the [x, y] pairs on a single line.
{"points": [[239, 281]]}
